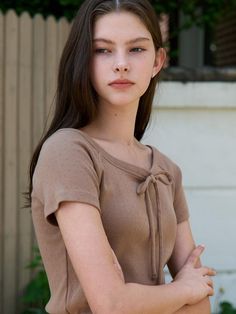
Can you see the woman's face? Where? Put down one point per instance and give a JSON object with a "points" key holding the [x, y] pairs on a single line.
{"points": [[123, 49]]}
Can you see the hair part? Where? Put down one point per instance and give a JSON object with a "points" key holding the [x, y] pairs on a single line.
{"points": [[76, 100]]}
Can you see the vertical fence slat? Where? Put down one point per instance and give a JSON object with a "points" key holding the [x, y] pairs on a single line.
{"points": [[63, 31], [25, 104], [10, 164], [38, 77], [38, 97], [51, 65], [1, 155]]}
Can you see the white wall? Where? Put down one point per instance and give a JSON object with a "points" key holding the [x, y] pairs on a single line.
{"points": [[195, 125]]}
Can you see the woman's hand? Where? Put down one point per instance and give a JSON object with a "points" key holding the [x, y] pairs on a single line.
{"points": [[197, 280]]}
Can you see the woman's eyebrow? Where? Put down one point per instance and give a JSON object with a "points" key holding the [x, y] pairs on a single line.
{"points": [[132, 41]]}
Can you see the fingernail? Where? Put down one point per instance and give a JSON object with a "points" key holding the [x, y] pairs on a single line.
{"points": [[202, 245]]}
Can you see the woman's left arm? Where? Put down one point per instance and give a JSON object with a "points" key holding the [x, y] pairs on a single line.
{"points": [[184, 245], [202, 307]]}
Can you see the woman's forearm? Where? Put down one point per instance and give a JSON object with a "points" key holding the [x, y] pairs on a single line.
{"points": [[164, 299], [202, 307]]}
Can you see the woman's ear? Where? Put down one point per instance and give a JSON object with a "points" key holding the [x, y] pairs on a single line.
{"points": [[159, 61]]}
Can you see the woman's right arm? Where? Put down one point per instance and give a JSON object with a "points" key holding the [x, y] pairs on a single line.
{"points": [[101, 279]]}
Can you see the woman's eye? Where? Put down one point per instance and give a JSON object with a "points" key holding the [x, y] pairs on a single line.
{"points": [[137, 49], [101, 50]]}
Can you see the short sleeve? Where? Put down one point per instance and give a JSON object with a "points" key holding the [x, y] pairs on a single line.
{"points": [[65, 171], [180, 203]]}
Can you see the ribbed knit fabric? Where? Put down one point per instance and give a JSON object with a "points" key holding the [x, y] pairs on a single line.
{"points": [[140, 209]]}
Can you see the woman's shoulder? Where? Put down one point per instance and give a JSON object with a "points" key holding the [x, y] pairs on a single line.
{"points": [[167, 163], [70, 145], [65, 136], [68, 140]]}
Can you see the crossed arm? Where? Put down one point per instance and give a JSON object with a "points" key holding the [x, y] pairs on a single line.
{"points": [[184, 245], [102, 280]]}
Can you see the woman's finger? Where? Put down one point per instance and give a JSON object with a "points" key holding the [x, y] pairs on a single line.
{"points": [[210, 291], [209, 281], [194, 256], [207, 271]]}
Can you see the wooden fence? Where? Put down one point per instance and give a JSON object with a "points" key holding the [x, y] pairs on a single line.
{"points": [[30, 49]]}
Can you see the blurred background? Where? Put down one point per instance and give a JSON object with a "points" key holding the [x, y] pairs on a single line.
{"points": [[193, 122]]}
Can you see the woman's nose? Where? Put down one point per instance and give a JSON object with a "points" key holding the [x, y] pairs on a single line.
{"points": [[121, 65]]}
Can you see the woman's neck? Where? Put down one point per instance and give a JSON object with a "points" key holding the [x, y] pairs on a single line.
{"points": [[114, 124]]}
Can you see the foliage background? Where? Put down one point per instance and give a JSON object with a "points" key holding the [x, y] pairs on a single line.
{"points": [[199, 12]]}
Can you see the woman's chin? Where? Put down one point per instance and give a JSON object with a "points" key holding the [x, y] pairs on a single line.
{"points": [[121, 102]]}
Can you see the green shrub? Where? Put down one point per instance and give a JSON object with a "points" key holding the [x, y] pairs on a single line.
{"points": [[198, 12], [36, 293], [227, 308]]}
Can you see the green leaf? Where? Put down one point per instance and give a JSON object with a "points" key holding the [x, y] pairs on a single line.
{"points": [[227, 308], [37, 292]]}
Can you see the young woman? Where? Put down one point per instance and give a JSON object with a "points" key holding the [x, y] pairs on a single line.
{"points": [[109, 212]]}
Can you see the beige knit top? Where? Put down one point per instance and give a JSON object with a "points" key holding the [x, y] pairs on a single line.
{"points": [[139, 209]]}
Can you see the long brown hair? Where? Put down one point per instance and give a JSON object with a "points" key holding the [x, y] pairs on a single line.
{"points": [[76, 99]]}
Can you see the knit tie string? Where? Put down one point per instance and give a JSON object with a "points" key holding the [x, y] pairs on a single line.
{"points": [[165, 178]]}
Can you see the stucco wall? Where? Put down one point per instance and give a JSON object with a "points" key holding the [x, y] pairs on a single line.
{"points": [[195, 125]]}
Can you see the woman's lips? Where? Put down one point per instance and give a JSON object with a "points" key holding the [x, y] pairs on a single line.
{"points": [[120, 84]]}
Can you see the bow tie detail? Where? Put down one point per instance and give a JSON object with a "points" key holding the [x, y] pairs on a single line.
{"points": [[165, 178], [162, 176]]}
